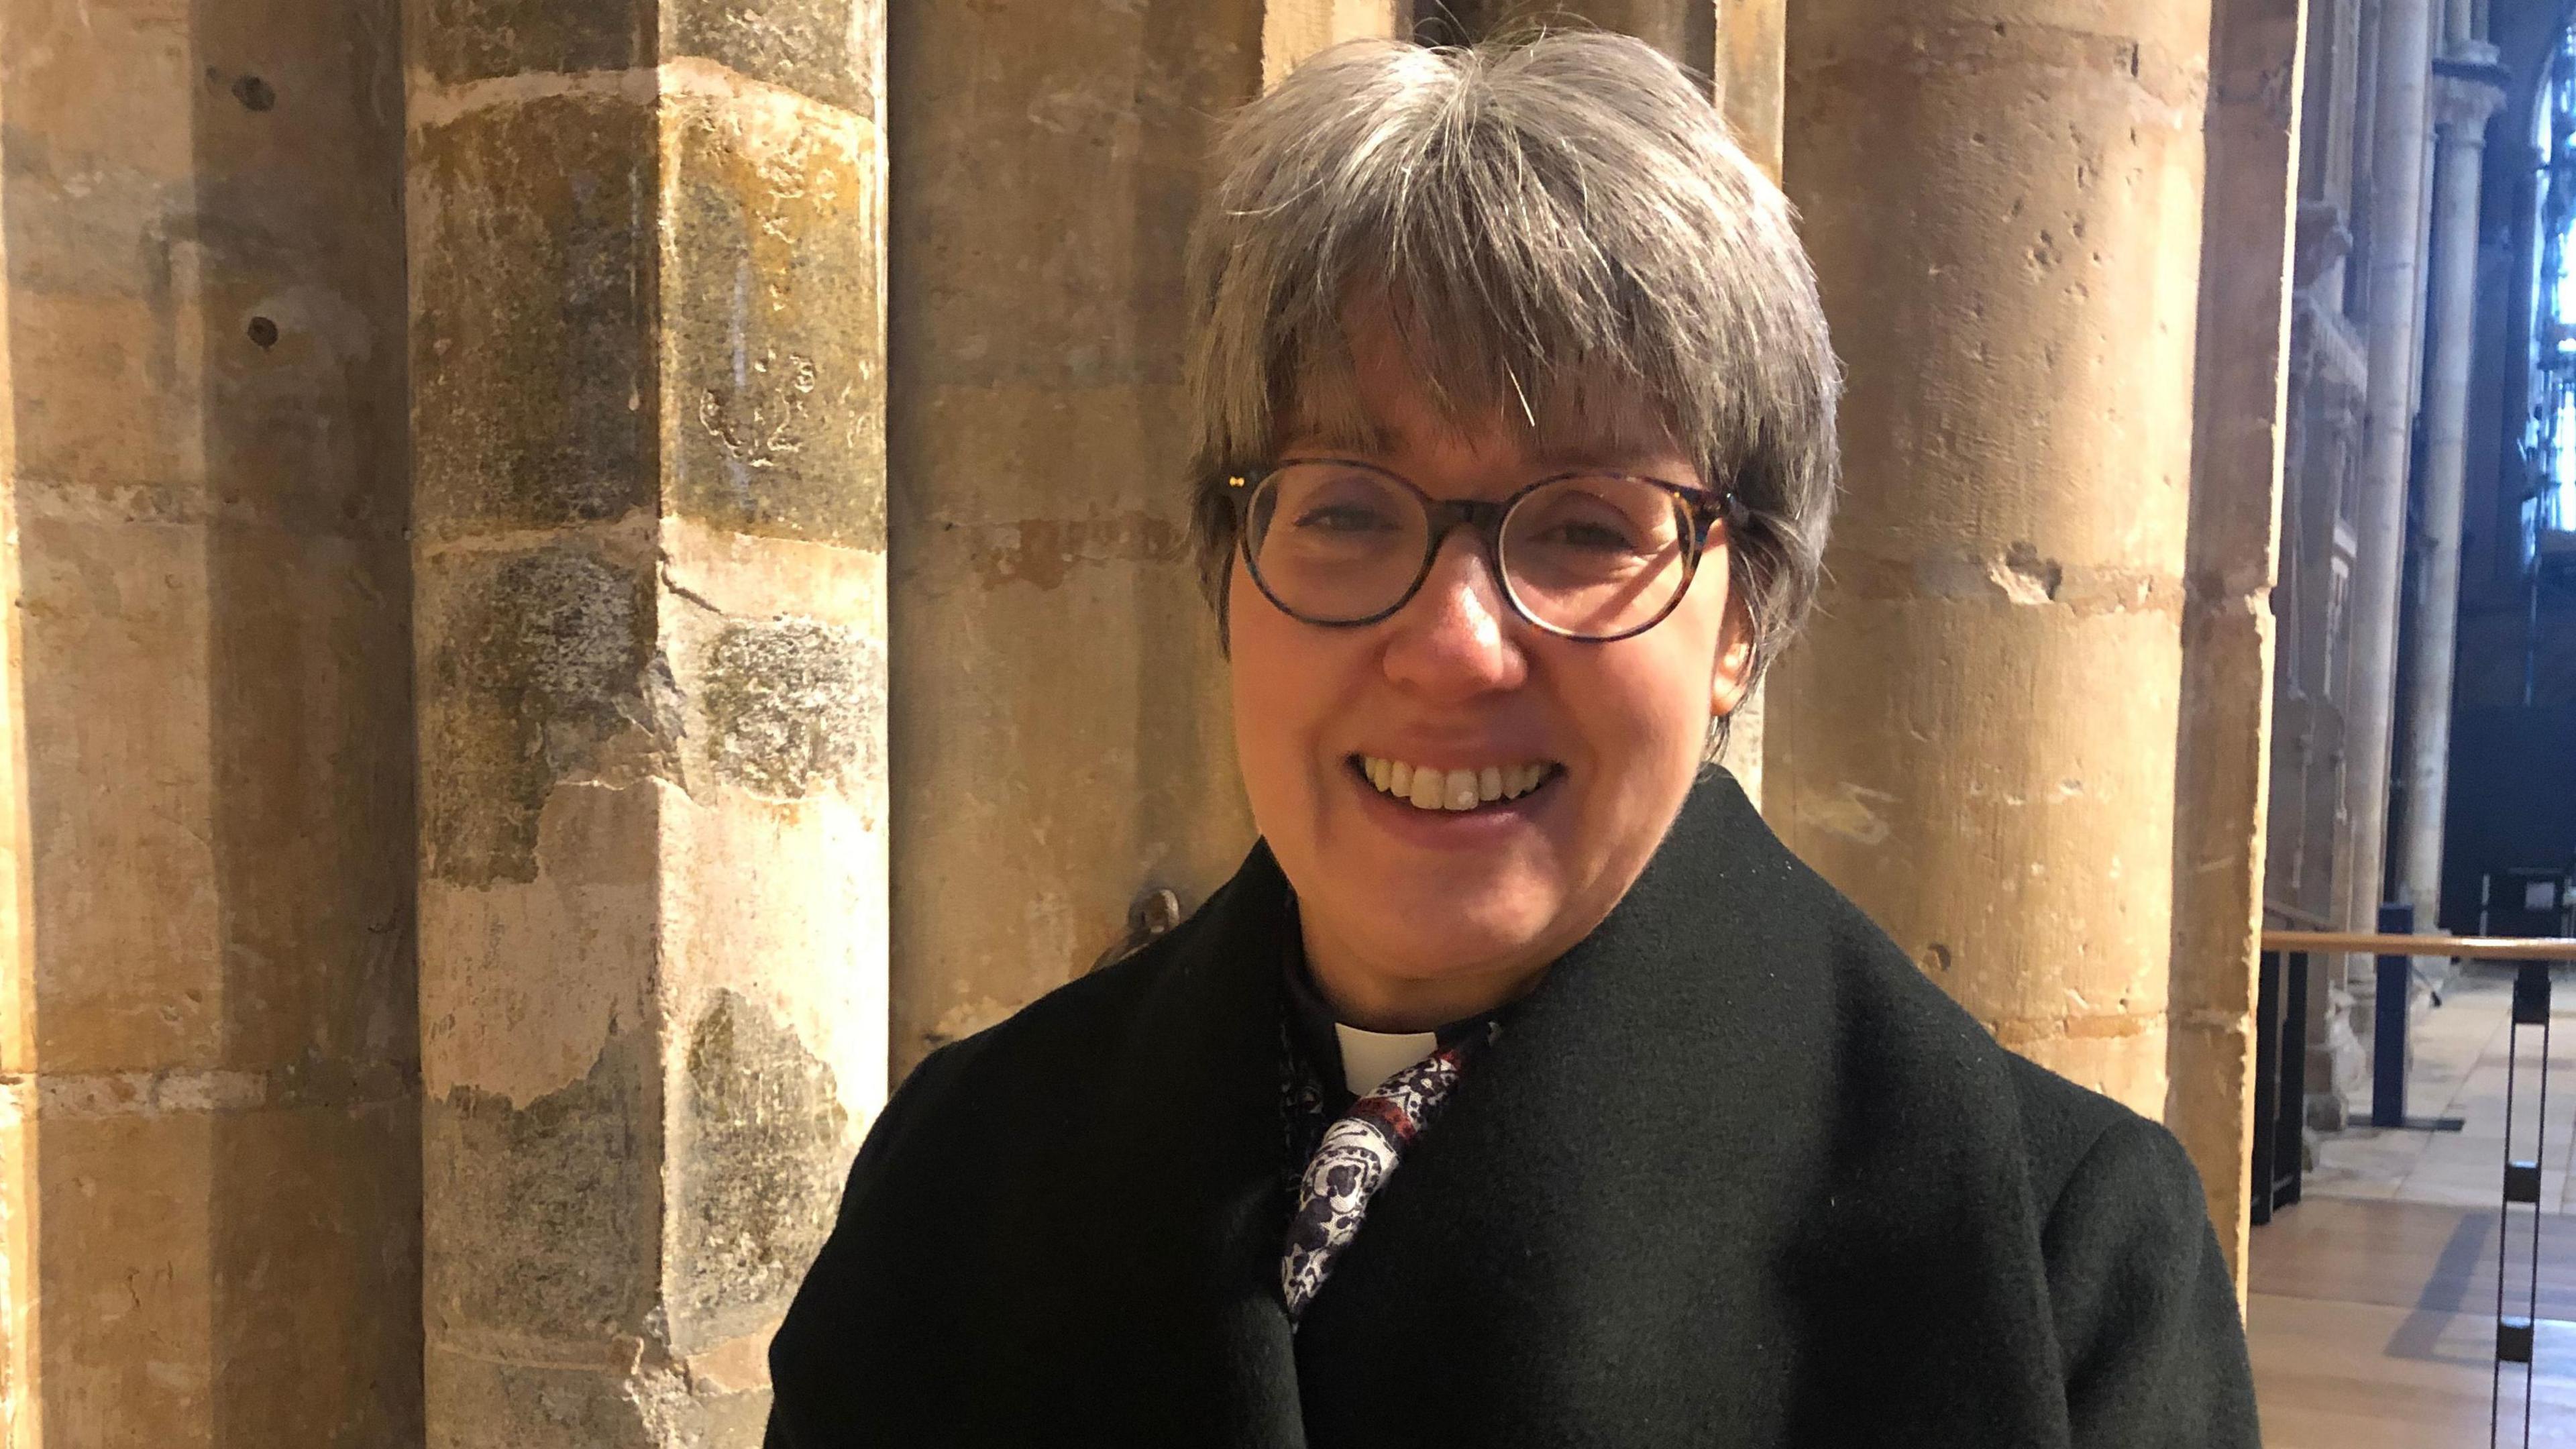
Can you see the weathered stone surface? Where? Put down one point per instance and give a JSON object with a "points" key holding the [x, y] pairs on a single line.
{"points": [[2224, 744], [538, 667], [1292, 30], [1057, 716], [477, 1403], [211, 1272], [128, 1229], [797, 707], [820, 48], [542, 1217], [533, 381], [487, 1405], [772, 326], [756, 1151], [525, 979], [120, 613], [1752, 69], [1976, 739], [305, 1269], [453, 41]]}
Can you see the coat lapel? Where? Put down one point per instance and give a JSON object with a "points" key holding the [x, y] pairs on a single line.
{"points": [[1548, 1247], [1193, 1146]]}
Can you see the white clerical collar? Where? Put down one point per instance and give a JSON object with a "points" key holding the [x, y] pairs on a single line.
{"points": [[1370, 1057]]}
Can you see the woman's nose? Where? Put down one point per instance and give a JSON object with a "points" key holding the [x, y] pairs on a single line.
{"points": [[1457, 635]]}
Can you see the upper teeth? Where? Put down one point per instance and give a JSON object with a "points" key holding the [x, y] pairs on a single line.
{"points": [[1429, 789]]}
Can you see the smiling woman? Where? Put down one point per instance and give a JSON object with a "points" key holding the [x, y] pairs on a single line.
{"points": [[1520, 1088]]}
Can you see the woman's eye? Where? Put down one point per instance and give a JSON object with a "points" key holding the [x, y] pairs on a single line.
{"points": [[1344, 519], [1591, 536]]}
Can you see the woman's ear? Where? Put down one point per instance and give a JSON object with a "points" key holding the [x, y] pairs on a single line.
{"points": [[1733, 675]]}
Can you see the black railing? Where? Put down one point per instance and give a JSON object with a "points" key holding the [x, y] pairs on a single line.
{"points": [[2280, 1093]]}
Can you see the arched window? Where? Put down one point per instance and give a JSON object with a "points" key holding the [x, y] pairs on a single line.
{"points": [[2549, 445]]}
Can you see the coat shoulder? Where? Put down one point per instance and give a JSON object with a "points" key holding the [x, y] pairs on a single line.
{"points": [[1054, 1045]]}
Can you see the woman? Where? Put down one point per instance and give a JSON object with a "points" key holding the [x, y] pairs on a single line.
{"points": [[1520, 1088]]}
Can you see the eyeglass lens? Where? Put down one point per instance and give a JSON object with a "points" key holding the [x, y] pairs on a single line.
{"points": [[1590, 556]]}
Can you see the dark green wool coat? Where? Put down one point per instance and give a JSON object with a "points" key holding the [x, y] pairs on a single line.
{"points": [[1735, 1173]]}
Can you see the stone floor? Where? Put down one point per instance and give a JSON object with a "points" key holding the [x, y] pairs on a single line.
{"points": [[2460, 1070], [2372, 1301]]}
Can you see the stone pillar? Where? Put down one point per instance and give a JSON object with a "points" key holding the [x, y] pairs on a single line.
{"points": [[1750, 75], [1976, 739], [22, 1419], [209, 1192], [2394, 221], [2462, 105], [1751, 58], [1292, 30], [646, 266], [2222, 775], [1063, 751]]}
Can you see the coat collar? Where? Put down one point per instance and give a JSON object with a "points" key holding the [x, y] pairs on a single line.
{"points": [[1687, 995]]}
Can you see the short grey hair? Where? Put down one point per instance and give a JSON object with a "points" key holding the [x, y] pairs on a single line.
{"points": [[1560, 229]]}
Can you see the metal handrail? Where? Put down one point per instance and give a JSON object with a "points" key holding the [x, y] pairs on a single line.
{"points": [[2466, 948], [2284, 955]]}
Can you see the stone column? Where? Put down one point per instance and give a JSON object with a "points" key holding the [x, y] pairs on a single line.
{"points": [[1751, 58], [1059, 721], [206, 971], [2462, 105], [646, 266], [1977, 737], [1751, 61], [2393, 280], [22, 1419], [1292, 30], [2222, 775]]}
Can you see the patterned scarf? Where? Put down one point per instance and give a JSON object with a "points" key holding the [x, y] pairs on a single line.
{"points": [[1350, 1157]]}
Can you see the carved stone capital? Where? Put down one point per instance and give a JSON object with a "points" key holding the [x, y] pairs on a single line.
{"points": [[2468, 89]]}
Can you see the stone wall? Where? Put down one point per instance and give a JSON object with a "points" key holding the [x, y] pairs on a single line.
{"points": [[211, 1041]]}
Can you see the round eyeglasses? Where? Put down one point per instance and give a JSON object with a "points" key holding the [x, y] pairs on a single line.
{"points": [[1590, 556]]}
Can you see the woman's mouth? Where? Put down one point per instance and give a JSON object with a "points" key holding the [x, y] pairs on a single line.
{"points": [[1426, 787]]}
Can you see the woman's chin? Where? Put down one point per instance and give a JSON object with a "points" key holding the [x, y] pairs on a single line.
{"points": [[1463, 945]]}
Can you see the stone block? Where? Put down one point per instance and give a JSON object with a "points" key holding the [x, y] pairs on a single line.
{"points": [[122, 798], [220, 1278], [543, 1218], [315, 1219], [831, 50], [307, 740], [533, 374], [2040, 887], [454, 41], [129, 1293], [478, 1404], [759, 1142], [530, 977], [119, 423], [795, 707], [773, 330], [64, 124], [1052, 160], [537, 667]]}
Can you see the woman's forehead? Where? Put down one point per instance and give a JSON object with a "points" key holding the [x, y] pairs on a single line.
{"points": [[1568, 422]]}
